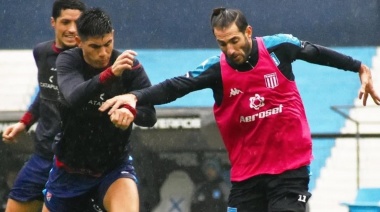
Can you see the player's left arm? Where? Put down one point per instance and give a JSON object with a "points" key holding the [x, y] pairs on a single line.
{"points": [[367, 87], [325, 56], [76, 90], [321, 55]]}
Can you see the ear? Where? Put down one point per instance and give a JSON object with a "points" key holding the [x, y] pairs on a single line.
{"points": [[52, 22], [249, 31], [78, 41]]}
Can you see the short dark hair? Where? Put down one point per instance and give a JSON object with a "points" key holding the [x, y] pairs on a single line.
{"points": [[60, 5], [93, 23], [222, 17]]}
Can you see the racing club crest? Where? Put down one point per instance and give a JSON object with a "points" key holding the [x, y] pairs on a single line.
{"points": [[271, 80]]}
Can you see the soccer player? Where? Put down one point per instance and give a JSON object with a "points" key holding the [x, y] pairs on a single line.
{"points": [[258, 109], [26, 193], [92, 150]]}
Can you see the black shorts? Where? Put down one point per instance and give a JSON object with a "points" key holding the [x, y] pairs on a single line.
{"points": [[271, 193]]}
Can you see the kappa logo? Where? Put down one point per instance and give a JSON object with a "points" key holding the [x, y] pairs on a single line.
{"points": [[235, 91], [95, 206], [256, 102], [51, 79], [101, 96]]}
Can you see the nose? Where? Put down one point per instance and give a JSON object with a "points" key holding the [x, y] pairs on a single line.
{"points": [[102, 51], [72, 27], [230, 49]]}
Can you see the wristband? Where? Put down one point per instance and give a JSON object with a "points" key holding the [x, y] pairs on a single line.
{"points": [[130, 108], [27, 119], [106, 75]]}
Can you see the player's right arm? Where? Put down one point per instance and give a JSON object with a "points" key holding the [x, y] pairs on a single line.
{"points": [[11, 132]]}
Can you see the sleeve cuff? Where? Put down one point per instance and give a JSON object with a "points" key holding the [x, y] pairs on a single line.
{"points": [[106, 76], [27, 119]]}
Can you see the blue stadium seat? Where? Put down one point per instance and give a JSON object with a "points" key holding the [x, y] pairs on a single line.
{"points": [[367, 200]]}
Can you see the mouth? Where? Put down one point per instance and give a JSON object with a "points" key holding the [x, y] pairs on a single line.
{"points": [[104, 62], [69, 37], [235, 57]]}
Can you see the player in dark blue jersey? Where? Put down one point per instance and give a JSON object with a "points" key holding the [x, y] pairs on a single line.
{"points": [[258, 110], [26, 194], [92, 150]]}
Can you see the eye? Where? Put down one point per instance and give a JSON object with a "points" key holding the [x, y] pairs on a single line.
{"points": [[222, 43], [235, 40], [95, 46], [65, 22]]}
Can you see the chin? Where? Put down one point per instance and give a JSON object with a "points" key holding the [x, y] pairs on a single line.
{"points": [[99, 65], [69, 45], [239, 62]]}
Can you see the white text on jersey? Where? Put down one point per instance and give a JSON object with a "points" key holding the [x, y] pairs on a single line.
{"points": [[262, 114]]}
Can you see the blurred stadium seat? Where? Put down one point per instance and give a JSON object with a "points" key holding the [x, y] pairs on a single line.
{"points": [[18, 79], [367, 200]]}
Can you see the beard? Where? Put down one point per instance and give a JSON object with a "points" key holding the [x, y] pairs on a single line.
{"points": [[246, 49], [244, 53]]}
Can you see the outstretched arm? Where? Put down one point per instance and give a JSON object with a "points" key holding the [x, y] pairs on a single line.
{"points": [[367, 86], [122, 112], [117, 102]]}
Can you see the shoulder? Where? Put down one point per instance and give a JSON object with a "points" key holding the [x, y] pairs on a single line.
{"points": [[43, 47], [74, 52], [69, 56], [45, 44], [278, 39], [209, 63]]}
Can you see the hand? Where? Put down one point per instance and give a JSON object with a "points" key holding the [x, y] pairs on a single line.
{"points": [[117, 101], [123, 62], [10, 133], [122, 118], [367, 86]]}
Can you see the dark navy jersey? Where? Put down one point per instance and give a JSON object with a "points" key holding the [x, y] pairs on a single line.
{"points": [[44, 107], [45, 55], [283, 48], [89, 140]]}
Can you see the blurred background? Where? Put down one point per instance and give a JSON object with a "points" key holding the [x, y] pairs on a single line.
{"points": [[186, 24], [173, 37]]}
